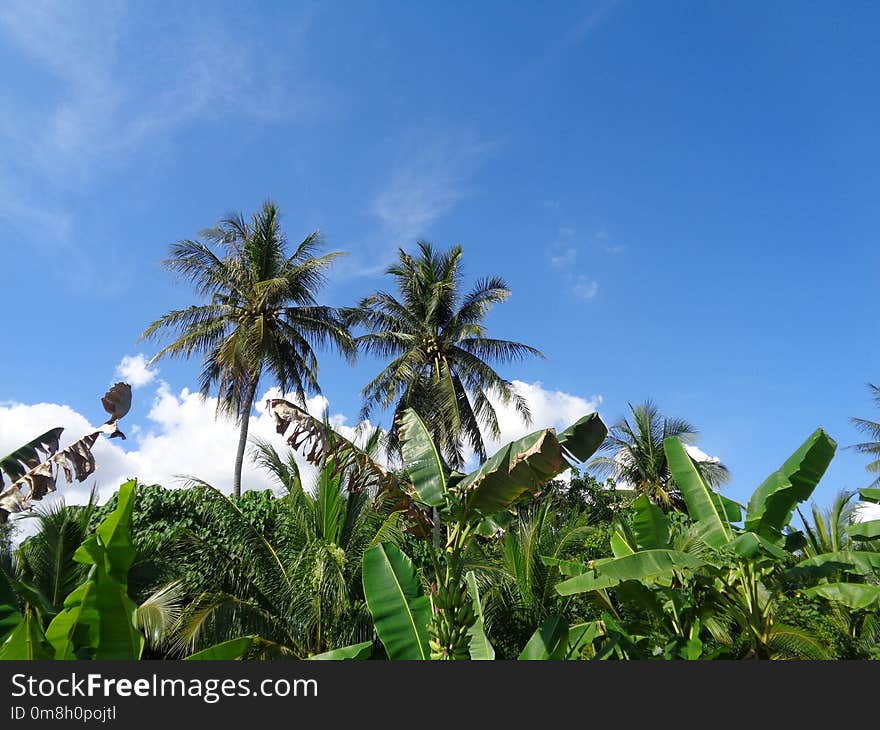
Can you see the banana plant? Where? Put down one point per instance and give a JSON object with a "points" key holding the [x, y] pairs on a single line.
{"points": [[35, 468], [730, 574], [467, 503], [447, 623]]}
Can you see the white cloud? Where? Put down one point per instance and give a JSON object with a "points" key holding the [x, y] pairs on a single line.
{"points": [[697, 454], [866, 511], [135, 371], [585, 288]]}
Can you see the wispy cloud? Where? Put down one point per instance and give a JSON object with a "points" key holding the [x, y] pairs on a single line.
{"points": [[113, 91], [104, 81], [585, 288], [429, 176], [426, 182]]}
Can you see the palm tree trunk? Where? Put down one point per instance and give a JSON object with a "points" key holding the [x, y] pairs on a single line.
{"points": [[242, 436]]}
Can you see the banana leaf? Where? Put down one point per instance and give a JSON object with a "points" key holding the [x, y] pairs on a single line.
{"points": [[870, 494], [644, 564], [479, 646], [424, 463], [770, 509], [581, 635], [706, 513], [10, 616], [400, 610], [623, 541], [650, 526], [567, 567], [27, 641], [846, 561], [852, 595], [225, 650], [355, 651], [864, 530], [29, 456], [550, 641], [749, 544], [519, 467], [581, 440], [98, 620]]}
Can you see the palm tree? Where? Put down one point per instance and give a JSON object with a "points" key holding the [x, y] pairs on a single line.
{"points": [[638, 459], [872, 428], [295, 583], [520, 591], [262, 315], [440, 351], [827, 533]]}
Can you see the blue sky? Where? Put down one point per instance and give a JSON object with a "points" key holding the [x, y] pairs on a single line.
{"points": [[682, 196]]}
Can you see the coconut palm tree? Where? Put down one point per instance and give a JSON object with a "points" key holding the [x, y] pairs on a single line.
{"points": [[262, 315], [637, 458], [872, 428], [439, 351]]}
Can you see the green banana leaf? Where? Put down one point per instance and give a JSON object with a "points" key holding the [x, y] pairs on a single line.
{"points": [[98, 620], [356, 651], [567, 567], [225, 650], [852, 595], [581, 440], [732, 511], [522, 466], [650, 526], [479, 646], [29, 456], [489, 526], [400, 610], [870, 494], [10, 616], [847, 561], [772, 504], [864, 530], [706, 513], [622, 541], [642, 565], [550, 641], [749, 544], [26, 641], [110, 546], [581, 635], [423, 461]]}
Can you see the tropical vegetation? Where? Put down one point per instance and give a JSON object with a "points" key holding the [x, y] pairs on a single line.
{"points": [[413, 542]]}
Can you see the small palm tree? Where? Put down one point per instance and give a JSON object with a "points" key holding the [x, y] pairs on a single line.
{"points": [[440, 351], [262, 315], [520, 592], [872, 428], [827, 533], [638, 459], [297, 583], [44, 562]]}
